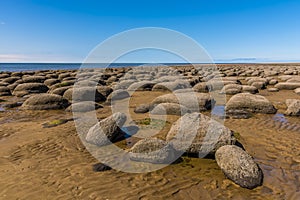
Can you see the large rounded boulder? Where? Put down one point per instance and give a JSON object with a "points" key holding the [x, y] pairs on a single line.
{"points": [[4, 91], [77, 94], [195, 102], [249, 103], [29, 88], [239, 166], [45, 102], [196, 133]]}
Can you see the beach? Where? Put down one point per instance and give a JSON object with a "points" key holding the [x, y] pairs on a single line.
{"points": [[43, 155]]}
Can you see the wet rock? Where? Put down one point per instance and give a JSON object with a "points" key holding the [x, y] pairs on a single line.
{"points": [[143, 108], [45, 102], [11, 80], [4, 91], [105, 90], [29, 88], [107, 130], [252, 103], [239, 166], [34, 79], [100, 167], [118, 95], [293, 107], [273, 82], [152, 150], [273, 90], [169, 109], [50, 82], [141, 86], [60, 91], [83, 94], [231, 89], [249, 89], [259, 85], [287, 86], [201, 87], [196, 133], [195, 102], [171, 86], [83, 106]]}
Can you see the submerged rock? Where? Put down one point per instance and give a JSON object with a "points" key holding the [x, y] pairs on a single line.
{"points": [[239, 166]]}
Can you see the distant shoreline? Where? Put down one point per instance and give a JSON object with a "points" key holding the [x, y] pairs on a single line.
{"points": [[19, 67]]}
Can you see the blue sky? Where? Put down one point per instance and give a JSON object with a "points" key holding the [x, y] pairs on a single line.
{"points": [[229, 30]]}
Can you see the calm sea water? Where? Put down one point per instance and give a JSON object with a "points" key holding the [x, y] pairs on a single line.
{"points": [[13, 67]]}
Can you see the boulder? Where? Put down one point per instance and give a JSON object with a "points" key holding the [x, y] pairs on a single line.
{"points": [[195, 102], [249, 89], [60, 91], [287, 85], [29, 88], [118, 95], [295, 79], [245, 102], [45, 102], [231, 89], [4, 91], [50, 82], [143, 108], [259, 85], [169, 109], [196, 133], [273, 90], [201, 87], [83, 106], [239, 166], [83, 94], [104, 90], [34, 79], [293, 107], [141, 86], [11, 79], [152, 150], [297, 91], [107, 130], [171, 86]]}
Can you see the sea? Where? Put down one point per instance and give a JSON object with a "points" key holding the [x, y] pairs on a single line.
{"points": [[14, 67]]}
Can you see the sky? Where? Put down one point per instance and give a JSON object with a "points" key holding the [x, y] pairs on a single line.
{"points": [[228, 30]]}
